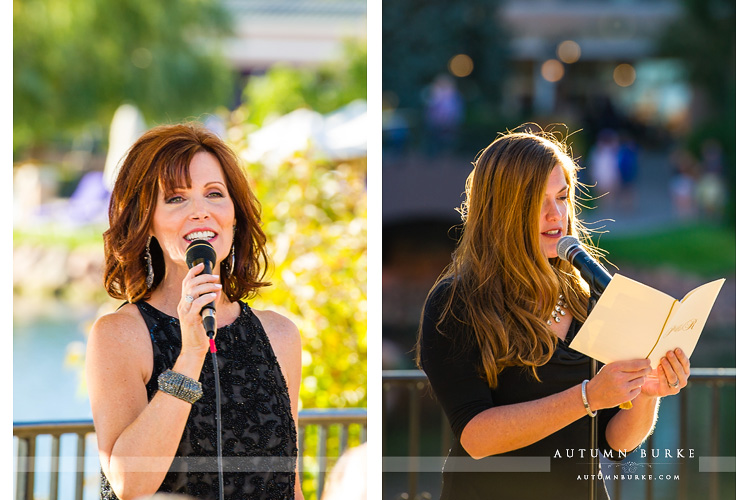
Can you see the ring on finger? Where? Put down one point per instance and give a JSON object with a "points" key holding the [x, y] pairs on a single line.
{"points": [[189, 299], [673, 386]]}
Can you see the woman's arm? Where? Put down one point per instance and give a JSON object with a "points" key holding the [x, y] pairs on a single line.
{"points": [[488, 432], [287, 346], [137, 439]]}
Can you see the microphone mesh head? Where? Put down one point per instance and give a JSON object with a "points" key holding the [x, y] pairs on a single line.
{"points": [[200, 250], [564, 246]]}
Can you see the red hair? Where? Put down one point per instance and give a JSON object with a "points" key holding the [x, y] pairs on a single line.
{"points": [[161, 159]]}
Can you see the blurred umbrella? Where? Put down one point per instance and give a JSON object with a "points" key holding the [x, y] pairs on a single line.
{"points": [[340, 135]]}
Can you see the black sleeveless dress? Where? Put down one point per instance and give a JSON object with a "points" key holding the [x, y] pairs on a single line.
{"points": [[259, 438]]}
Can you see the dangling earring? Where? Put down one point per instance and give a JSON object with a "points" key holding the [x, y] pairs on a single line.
{"points": [[231, 260], [230, 265], [149, 265]]}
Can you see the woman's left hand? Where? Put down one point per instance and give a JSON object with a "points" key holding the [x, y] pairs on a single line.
{"points": [[669, 377]]}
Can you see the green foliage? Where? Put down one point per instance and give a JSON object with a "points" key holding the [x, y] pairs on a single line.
{"points": [[74, 63], [324, 89], [315, 219], [48, 235], [705, 250]]}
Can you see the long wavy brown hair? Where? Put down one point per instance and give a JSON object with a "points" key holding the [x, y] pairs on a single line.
{"points": [[161, 159], [502, 287]]}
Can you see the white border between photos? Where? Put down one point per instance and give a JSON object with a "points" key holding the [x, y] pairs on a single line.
{"points": [[374, 250], [6, 228]]}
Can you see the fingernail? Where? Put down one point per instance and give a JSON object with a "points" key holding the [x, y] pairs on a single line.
{"points": [[218, 285]]}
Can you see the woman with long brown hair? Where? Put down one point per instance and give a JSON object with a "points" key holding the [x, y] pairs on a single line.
{"points": [[149, 372], [495, 333]]}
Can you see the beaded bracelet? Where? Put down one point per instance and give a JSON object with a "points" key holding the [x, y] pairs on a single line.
{"points": [[586, 401], [180, 386]]}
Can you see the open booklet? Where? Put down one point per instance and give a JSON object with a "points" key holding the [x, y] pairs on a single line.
{"points": [[634, 321]]}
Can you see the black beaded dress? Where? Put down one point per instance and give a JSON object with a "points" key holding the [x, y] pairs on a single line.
{"points": [[259, 438]]}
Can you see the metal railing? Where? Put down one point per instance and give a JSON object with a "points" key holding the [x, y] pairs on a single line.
{"points": [[315, 426], [415, 383]]}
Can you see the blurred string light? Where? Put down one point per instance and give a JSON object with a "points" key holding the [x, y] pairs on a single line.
{"points": [[461, 65], [569, 51], [552, 70], [624, 75]]}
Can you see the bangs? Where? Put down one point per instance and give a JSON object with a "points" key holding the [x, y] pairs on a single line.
{"points": [[175, 175]]}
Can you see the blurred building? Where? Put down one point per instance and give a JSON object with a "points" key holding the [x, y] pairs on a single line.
{"points": [[582, 61], [296, 32]]}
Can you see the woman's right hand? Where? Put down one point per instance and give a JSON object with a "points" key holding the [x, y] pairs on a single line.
{"points": [[204, 288], [617, 382]]}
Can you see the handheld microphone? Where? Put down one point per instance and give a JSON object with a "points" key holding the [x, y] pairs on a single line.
{"points": [[201, 251], [570, 249]]}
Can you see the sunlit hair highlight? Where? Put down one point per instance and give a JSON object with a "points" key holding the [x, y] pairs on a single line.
{"points": [[160, 159], [502, 286]]}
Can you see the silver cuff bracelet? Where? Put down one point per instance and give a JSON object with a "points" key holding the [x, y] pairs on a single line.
{"points": [[182, 387]]}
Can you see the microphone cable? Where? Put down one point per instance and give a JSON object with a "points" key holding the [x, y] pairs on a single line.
{"points": [[217, 386], [201, 251]]}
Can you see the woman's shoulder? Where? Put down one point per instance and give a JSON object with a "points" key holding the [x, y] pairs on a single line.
{"points": [[280, 330], [440, 293], [285, 340], [443, 313], [120, 338], [276, 324], [124, 323]]}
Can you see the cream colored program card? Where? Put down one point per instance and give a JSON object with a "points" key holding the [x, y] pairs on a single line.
{"points": [[634, 321]]}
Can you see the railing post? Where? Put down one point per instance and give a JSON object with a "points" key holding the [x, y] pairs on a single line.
{"points": [[413, 437], [618, 486], [649, 461], [322, 458], [54, 467], [343, 438], [21, 465], [80, 463], [384, 416], [447, 435], [300, 451], [682, 488], [715, 415], [30, 464]]}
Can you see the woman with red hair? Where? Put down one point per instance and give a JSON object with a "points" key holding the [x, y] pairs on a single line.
{"points": [[149, 373]]}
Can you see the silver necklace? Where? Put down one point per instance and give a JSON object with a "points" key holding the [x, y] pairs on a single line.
{"points": [[558, 311]]}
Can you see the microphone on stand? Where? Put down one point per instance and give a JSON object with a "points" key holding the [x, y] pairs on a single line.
{"points": [[201, 251], [571, 250]]}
